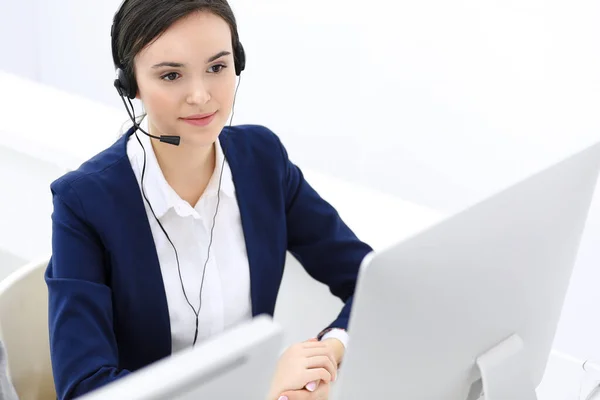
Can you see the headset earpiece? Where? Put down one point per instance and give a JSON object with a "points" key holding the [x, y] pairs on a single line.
{"points": [[240, 58], [124, 85]]}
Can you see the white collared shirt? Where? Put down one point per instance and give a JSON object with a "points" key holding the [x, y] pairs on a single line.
{"points": [[226, 297]]}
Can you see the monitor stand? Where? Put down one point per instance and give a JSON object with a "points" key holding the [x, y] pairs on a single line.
{"points": [[504, 373]]}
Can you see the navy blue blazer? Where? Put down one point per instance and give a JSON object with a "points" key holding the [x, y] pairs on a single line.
{"points": [[108, 311]]}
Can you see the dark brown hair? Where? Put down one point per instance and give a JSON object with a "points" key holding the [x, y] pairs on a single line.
{"points": [[140, 22]]}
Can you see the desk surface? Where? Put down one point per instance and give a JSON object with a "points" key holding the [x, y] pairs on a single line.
{"points": [[53, 125], [566, 379]]}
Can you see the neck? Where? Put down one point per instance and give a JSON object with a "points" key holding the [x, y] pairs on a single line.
{"points": [[184, 160], [187, 169]]}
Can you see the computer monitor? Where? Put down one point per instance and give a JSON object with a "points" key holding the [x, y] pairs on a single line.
{"points": [[238, 364], [468, 308]]}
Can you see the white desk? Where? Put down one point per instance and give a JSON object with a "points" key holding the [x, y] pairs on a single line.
{"points": [[565, 379], [52, 125], [45, 132]]}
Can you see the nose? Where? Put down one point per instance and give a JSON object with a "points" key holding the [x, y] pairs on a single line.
{"points": [[199, 94]]}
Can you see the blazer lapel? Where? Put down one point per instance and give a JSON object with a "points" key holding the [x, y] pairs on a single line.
{"points": [[255, 217]]}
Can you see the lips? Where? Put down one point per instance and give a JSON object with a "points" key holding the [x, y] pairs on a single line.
{"points": [[199, 116], [200, 119]]}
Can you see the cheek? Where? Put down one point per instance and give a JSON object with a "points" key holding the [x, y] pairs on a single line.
{"points": [[161, 106], [226, 94], [159, 102]]}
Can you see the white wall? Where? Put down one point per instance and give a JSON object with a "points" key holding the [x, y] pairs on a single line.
{"points": [[482, 90], [19, 38], [74, 43], [438, 102]]}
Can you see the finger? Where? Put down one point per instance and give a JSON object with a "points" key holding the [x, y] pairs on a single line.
{"points": [[322, 362], [296, 395], [312, 386], [316, 351], [315, 363], [322, 393], [312, 340], [321, 352], [309, 344], [316, 374]]}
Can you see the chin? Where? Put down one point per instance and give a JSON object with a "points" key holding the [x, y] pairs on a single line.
{"points": [[202, 139], [201, 136]]}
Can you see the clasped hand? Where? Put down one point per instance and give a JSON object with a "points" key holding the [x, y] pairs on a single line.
{"points": [[305, 370]]}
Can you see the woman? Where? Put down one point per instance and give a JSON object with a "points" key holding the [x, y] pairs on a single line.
{"points": [[179, 230]]}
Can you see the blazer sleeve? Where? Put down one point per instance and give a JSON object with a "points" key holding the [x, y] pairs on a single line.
{"points": [[83, 347], [325, 246]]}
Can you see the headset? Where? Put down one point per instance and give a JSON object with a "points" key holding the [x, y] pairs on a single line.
{"points": [[127, 87]]}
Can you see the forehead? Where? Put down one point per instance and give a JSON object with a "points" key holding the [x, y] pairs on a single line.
{"points": [[196, 36]]}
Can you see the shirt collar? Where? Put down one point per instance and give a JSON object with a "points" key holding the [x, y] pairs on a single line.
{"points": [[161, 195]]}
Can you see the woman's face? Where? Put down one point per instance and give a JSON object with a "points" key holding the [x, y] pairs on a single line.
{"points": [[188, 71]]}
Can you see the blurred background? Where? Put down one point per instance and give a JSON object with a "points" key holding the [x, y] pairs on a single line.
{"points": [[435, 103]]}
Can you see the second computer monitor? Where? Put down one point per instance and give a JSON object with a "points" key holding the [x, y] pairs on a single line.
{"points": [[469, 307], [238, 364]]}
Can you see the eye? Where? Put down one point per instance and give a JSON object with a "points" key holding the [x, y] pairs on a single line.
{"points": [[217, 68], [171, 76]]}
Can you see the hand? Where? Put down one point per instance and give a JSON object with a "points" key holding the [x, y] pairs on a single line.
{"points": [[338, 349], [303, 363], [321, 393]]}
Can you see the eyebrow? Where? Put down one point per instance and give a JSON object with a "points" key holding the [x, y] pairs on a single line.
{"points": [[180, 65]]}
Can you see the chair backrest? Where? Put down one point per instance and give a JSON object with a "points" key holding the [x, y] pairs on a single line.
{"points": [[24, 331]]}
